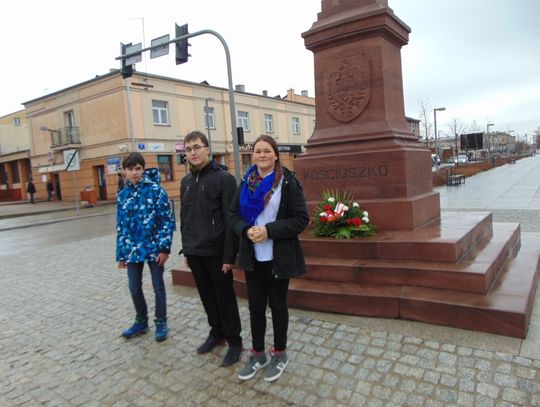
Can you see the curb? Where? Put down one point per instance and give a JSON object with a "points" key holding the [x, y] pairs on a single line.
{"points": [[49, 222]]}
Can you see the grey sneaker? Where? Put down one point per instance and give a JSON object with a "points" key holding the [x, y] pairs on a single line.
{"points": [[277, 365], [256, 361]]}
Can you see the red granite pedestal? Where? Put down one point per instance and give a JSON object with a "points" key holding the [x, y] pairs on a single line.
{"points": [[455, 269]]}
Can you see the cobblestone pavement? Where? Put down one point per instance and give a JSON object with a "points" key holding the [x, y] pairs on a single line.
{"points": [[64, 304], [62, 308]]}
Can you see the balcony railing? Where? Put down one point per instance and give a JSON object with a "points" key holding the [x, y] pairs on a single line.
{"points": [[65, 136]]}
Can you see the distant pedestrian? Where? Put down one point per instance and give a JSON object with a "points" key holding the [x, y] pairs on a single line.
{"points": [[267, 214], [144, 226], [208, 244], [31, 189], [121, 183], [50, 190]]}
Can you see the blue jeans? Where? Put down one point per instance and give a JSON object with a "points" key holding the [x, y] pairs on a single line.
{"points": [[135, 274]]}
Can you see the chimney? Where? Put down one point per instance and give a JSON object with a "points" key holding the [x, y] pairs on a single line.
{"points": [[304, 93], [240, 88], [265, 93]]}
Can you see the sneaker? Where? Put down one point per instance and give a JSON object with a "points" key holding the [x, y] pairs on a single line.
{"points": [[138, 328], [256, 361], [161, 330], [210, 343], [232, 356], [277, 365]]}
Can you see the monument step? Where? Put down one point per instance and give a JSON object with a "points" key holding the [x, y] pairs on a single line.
{"points": [[475, 273], [448, 241], [504, 310]]}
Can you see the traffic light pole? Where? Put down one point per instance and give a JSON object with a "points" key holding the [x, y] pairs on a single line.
{"points": [[232, 105]]}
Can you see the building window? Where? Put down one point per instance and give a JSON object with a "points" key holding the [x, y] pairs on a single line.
{"points": [[165, 167], [160, 111], [69, 119], [268, 123], [296, 125], [246, 162], [209, 118], [3, 174], [17, 121], [243, 120], [14, 172]]}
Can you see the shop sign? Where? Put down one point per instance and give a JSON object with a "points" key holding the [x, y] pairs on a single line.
{"points": [[113, 165], [282, 148]]}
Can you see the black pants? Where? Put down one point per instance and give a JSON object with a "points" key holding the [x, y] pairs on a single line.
{"points": [[218, 297], [263, 288]]}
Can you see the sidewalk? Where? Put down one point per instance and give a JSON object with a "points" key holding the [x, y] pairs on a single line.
{"points": [[18, 215], [62, 308]]}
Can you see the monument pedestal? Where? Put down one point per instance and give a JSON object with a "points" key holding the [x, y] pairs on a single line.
{"points": [[456, 269]]}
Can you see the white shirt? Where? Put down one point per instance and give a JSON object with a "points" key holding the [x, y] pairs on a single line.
{"points": [[265, 251]]}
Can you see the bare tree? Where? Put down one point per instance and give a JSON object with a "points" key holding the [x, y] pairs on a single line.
{"points": [[425, 115], [457, 128], [474, 127]]}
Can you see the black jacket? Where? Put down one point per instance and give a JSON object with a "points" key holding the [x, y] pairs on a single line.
{"points": [[205, 198], [292, 218]]}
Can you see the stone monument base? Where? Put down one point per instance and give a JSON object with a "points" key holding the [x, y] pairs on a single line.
{"points": [[465, 272]]}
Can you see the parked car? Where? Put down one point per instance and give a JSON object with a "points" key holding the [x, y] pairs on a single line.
{"points": [[460, 159]]}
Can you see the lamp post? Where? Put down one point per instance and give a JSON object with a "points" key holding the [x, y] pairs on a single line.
{"points": [[207, 122], [437, 109], [507, 140], [487, 138]]}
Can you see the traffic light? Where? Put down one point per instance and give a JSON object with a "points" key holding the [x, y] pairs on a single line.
{"points": [[240, 135], [182, 54], [127, 70]]}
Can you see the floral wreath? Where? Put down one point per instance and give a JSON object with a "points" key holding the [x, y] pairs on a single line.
{"points": [[339, 216]]}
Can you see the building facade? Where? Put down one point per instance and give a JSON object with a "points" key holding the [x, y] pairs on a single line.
{"points": [[15, 169], [94, 124]]}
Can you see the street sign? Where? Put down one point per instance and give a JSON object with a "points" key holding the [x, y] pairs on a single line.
{"points": [[160, 50], [135, 58], [71, 160]]}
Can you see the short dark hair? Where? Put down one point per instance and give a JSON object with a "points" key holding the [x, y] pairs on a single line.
{"points": [[194, 135], [132, 160]]}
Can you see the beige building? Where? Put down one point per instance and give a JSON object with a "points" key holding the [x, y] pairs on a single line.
{"points": [[14, 156], [105, 118]]}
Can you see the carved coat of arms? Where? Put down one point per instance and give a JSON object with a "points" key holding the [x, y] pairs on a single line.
{"points": [[347, 87]]}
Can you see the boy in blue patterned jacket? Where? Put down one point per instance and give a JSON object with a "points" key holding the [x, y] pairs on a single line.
{"points": [[144, 226]]}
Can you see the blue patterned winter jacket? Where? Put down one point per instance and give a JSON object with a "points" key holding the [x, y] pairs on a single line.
{"points": [[144, 220]]}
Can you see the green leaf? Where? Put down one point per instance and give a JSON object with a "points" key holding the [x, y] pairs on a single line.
{"points": [[343, 231]]}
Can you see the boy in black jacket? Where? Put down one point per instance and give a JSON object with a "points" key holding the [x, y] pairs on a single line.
{"points": [[208, 244]]}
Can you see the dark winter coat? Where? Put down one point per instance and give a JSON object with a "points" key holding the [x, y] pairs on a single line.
{"points": [[144, 220], [205, 197], [31, 188], [292, 218]]}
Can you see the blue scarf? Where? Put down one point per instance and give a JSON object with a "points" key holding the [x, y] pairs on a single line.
{"points": [[252, 199]]}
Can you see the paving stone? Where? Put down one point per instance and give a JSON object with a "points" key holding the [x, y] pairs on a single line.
{"points": [[74, 356]]}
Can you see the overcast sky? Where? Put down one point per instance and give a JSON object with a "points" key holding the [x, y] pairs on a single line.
{"points": [[478, 58]]}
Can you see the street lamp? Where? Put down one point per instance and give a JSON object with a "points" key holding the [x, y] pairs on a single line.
{"points": [[507, 140], [207, 121], [487, 138], [437, 109]]}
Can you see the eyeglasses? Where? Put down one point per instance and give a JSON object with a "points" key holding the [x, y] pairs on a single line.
{"points": [[194, 149]]}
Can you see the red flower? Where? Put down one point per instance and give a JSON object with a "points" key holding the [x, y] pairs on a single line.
{"points": [[322, 219], [327, 207], [354, 221]]}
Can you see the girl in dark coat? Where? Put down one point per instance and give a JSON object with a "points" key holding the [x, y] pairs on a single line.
{"points": [[268, 213]]}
